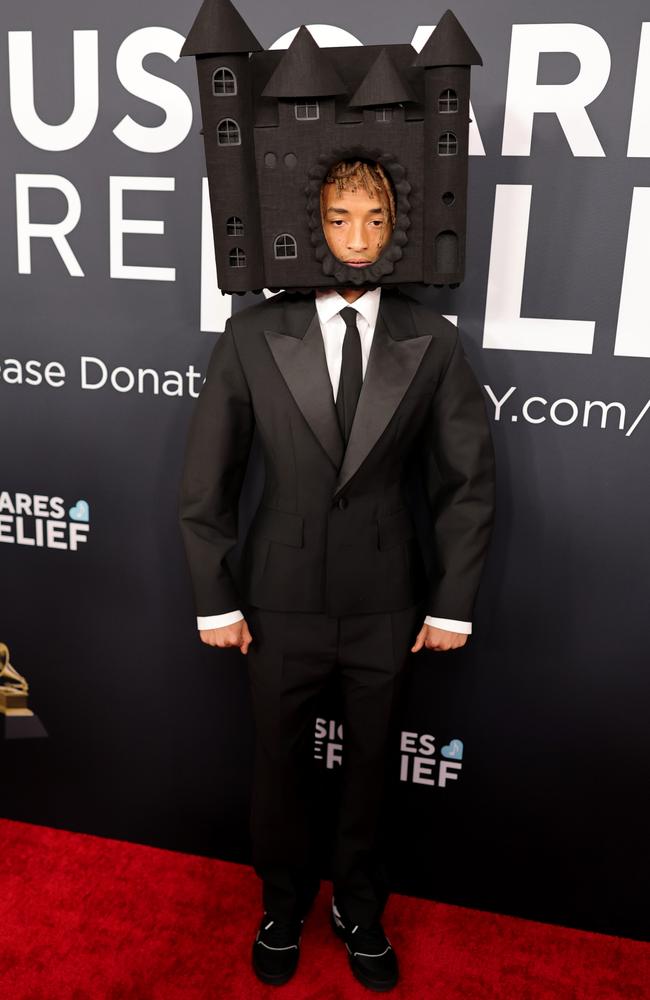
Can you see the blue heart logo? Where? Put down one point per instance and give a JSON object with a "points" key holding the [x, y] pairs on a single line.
{"points": [[453, 750], [80, 511]]}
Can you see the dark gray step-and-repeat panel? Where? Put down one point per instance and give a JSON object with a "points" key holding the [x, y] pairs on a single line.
{"points": [[521, 780]]}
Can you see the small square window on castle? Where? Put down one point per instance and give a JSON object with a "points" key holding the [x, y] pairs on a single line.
{"points": [[234, 226], [237, 257], [448, 102], [306, 110]]}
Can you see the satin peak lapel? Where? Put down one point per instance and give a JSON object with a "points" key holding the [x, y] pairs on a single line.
{"points": [[299, 353]]}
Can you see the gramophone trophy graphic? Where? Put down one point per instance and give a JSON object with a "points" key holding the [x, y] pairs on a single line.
{"points": [[19, 720]]}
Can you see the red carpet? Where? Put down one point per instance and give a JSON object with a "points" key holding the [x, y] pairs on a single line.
{"points": [[88, 918]]}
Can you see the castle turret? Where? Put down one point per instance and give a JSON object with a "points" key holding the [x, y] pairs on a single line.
{"points": [[304, 71], [382, 85], [304, 83], [222, 41], [446, 58]]}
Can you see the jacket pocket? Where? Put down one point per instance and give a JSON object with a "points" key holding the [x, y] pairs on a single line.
{"points": [[394, 528], [279, 526]]}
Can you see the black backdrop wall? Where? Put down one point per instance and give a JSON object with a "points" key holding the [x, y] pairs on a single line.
{"points": [[522, 783]]}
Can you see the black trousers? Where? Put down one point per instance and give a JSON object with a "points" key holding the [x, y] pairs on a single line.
{"points": [[291, 659]]}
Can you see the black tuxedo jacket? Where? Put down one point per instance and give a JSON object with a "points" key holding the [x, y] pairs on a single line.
{"points": [[334, 532]]}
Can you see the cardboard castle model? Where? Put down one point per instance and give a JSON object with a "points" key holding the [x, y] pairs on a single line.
{"points": [[275, 121]]}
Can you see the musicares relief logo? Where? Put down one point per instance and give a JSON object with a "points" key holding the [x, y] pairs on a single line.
{"points": [[420, 764], [42, 521]]}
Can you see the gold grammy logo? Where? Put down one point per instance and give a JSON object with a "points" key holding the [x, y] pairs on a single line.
{"points": [[13, 687]]}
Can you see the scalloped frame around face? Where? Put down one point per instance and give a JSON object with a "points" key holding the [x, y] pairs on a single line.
{"points": [[331, 266]]}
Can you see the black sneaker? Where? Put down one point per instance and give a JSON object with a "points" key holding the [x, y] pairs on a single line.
{"points": [[370, 953], [276, 949]]}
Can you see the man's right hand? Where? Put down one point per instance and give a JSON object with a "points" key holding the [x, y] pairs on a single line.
{"points": [[228, 635]]}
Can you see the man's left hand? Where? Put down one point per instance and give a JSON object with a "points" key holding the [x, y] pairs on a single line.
{"points": [[438, 639]]}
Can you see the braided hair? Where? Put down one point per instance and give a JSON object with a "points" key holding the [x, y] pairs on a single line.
{"points": [[349, 175]]}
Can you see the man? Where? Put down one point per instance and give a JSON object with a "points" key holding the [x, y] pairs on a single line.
{"points": [[346, 389]]}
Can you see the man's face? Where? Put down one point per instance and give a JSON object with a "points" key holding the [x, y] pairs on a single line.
{"points": [[357, 225]]}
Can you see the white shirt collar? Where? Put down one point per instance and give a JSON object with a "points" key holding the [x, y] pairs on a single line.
{"points": [[330, 302]]}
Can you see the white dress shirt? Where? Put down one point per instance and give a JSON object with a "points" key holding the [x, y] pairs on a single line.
{"points": [[328, 305]]}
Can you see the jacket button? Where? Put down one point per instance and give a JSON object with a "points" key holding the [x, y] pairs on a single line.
{"points": [[343, 502]]}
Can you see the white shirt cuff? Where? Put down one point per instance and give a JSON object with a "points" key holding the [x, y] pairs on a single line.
{"points": [[217, 621], [451, 624]]}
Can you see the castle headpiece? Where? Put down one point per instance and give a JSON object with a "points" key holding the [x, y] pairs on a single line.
{"points": [[275, 121]]}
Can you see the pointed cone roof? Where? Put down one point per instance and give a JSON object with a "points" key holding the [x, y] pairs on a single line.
{"points": [[219, 28], [448, 45], [382, 84], [304, 71]]}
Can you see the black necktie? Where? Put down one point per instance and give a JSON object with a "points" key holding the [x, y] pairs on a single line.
{"points": [[351, 373]]}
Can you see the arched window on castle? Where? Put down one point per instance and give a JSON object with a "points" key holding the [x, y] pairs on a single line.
{"points": [[284, 245], [306, 109], [448, 102], [228, 133], [447, 144], [237, 257], [383, 114], [446, 252], [224, 82], [234, 226]]}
